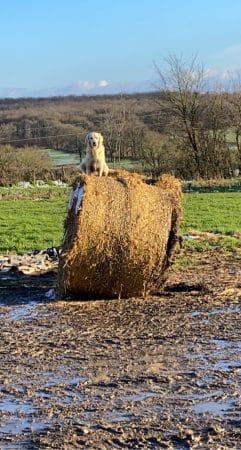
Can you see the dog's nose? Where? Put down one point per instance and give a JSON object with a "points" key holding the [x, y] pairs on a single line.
{"points": [[94, 144]]}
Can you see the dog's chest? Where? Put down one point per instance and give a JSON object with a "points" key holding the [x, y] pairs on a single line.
{"points": [[97, 154]]}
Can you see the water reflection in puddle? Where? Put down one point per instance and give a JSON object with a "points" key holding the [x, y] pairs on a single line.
{"points": [[228, 365], [14, 406], [227, 309], [17, 425], [24, 311], [119, 416], [18, 417], [214, 407], [138, 397], [60, 387], [53, 379]]}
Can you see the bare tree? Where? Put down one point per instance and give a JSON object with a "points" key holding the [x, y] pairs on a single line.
{"points": [[183, 85], [234, 100], [157, 154], [123, 130], [197, 118]]}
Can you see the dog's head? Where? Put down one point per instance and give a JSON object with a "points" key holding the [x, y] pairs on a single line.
{"points": [[93, 140]]}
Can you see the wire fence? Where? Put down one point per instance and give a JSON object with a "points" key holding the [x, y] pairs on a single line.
{"points": [[5, 138], [190, 188]]}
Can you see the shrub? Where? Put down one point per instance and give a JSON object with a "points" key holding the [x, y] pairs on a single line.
{"points": [[22, 164]]}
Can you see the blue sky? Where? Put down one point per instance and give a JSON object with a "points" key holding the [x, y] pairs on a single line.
{"points": [[85, 46]]}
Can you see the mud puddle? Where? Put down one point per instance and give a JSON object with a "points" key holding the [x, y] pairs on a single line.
{"points": [[158, 372]]}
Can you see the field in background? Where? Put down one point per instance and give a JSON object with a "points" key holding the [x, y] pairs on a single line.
{"points": [[32, 219], [61, 157]]}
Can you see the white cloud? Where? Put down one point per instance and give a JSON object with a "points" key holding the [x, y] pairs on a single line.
{"points": [[86, 85], [221, 74], [83, 87], [103, 83]]}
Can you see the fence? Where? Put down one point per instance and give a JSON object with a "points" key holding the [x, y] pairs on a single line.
{"points": [[190, 188]]}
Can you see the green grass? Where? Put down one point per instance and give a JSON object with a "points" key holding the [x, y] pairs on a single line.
{"points": [[216, 212], [33, 223]]}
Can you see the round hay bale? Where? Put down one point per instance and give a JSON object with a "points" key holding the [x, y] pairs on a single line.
{"points": [[119, 235]]}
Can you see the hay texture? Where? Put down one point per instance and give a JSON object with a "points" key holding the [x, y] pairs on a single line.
{"points": [[119, 235]]}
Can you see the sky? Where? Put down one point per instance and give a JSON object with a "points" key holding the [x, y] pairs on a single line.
{"points": [[60, 47]]}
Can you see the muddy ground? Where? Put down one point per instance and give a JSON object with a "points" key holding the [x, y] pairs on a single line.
{"points": [[159, 372]]}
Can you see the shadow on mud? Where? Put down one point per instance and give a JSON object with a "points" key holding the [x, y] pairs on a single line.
{"points": [[18, 288]]}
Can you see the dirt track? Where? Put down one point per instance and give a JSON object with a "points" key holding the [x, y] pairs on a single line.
{"points": [[159, 372]]}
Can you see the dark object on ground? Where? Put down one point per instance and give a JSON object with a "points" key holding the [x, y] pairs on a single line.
{"points": [[53, 253]]}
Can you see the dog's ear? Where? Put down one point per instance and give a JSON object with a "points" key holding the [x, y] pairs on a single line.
{"points": [[101, 139], [87, 139]]}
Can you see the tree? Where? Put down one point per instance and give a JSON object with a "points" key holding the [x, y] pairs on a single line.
{"points": [[157, 154], [122, 130], [234, 100], [23, 164], [196, 118]]}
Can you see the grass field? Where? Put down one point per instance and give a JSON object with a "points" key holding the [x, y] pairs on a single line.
{"points": [[216, 212], [37, 223], [31, 224]]}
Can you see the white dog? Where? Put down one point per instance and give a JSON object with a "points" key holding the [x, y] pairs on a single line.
{"points": [[94, 160]]}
